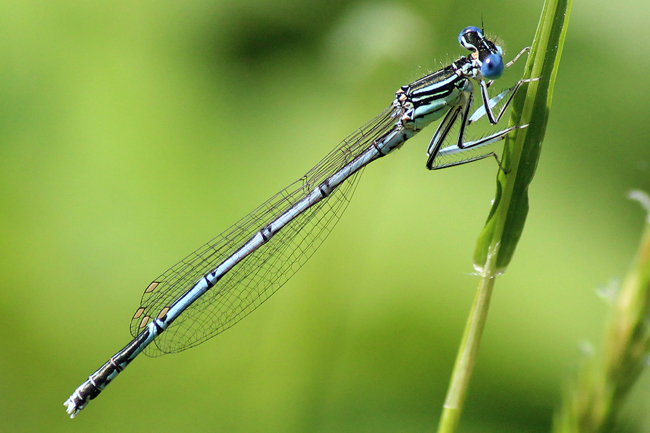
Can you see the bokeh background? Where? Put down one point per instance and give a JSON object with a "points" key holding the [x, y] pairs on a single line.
{"points": [[134, 131]]}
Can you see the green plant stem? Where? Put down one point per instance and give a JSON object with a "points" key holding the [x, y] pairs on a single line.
{"points": [[466, 356], [499, 238]]}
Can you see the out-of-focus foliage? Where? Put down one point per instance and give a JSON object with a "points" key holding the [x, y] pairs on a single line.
{"points": [[133, 132]]}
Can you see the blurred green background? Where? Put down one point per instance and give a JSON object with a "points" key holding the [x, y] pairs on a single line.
{"points": [[134, 131]]}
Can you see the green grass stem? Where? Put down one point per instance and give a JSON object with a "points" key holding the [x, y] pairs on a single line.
{"points": [[506, 220]]}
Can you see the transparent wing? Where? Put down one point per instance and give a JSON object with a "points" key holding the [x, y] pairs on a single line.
{"points": [[264, 271]]}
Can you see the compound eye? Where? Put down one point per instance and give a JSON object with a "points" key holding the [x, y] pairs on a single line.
{"points": [[492, 66], [468, 34]]}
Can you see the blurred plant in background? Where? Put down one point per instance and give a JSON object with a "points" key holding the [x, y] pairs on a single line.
{"points": [[594, 401], [133, 132]]}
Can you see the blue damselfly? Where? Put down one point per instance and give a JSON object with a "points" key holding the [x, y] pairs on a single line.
{"points": [[227, 278]]}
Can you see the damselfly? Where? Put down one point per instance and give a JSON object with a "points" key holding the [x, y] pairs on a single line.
{"points": [[227, 278]]}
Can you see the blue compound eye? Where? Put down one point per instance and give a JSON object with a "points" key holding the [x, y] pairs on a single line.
{"points": [[462, 37], [492, 66]]}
